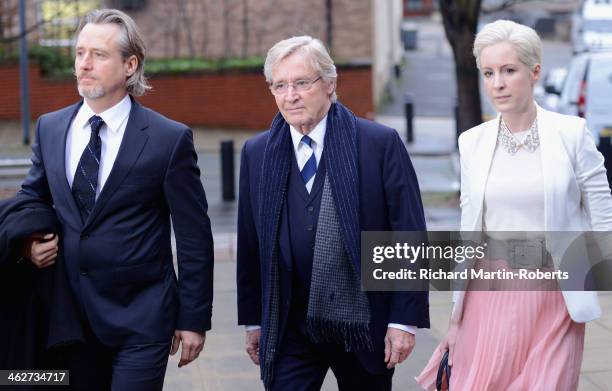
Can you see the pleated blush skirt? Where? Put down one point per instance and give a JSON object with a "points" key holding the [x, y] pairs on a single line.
{"points": [[513, 340]]}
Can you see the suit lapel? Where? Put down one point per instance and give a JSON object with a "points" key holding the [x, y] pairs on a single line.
{"points": [[59, 165], [548, 144], [486, 148], [132, 144]]}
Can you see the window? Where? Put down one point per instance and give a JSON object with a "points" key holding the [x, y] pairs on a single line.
{"points": [[61, 19], [413, 5]]}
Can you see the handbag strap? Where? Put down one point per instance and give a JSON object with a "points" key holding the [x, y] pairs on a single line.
{"points": [[443, 369]]}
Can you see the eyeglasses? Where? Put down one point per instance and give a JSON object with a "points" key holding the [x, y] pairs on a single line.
{"points": [[301, 85]]}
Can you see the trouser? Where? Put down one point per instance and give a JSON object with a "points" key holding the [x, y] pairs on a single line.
{"points": [[301, 365], [95, 366]]}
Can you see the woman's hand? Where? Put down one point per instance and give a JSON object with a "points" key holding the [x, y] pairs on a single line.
{"points": [[448, 343]]}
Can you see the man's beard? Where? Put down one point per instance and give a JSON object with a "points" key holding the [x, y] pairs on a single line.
{"points": [[92, 92]]}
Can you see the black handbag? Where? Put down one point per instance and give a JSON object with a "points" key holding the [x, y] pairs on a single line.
{"points": [[444, 374]]}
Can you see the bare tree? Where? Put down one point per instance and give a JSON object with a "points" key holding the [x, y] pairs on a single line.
{"points": [[161, 20], [186, 19], [9, 18], [263, 26], [329, 24], [176, 31], [460, 18], [227, 48], [205, 16], [245, 28], [8, 15]]}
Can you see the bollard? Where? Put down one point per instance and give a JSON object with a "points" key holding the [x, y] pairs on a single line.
{"points": [[397, 70], [409, 110], [227, 170]]}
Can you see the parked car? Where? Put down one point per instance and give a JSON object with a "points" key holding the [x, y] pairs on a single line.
{"points": [[592, 26], [548, 93], [587, 92]]}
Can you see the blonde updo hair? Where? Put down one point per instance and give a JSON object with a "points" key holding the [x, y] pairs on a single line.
{"points": [[526, 41]]}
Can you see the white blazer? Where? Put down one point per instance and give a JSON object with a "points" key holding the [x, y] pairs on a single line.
{"points": [[576, 192]]}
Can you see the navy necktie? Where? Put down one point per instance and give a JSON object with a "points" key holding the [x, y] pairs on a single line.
{"points": [[310, 168], [85, 180]]}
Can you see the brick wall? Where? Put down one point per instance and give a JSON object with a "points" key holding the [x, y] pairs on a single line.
{"points": [[231, 99]]}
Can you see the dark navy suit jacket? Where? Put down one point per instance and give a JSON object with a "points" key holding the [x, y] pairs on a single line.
{"points": [[119, 262], [389, 200]]}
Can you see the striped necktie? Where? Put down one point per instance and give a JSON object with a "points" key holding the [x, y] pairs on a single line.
{"points": [[310, 167], [85, 180]]}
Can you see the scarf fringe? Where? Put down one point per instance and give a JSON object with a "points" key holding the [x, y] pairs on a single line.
{"points": [[354, 336], [341, 160], [267, 372]]}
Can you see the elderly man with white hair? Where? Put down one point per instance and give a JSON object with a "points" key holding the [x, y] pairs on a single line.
{"points": [[308, 187]]}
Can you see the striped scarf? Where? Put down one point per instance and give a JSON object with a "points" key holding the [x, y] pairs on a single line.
{"points": [[341, 159]]}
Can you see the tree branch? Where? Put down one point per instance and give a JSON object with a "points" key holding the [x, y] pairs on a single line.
{"points": [[28, 30]]}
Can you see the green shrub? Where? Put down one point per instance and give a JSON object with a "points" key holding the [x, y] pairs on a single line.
{"points": [[182, 65], [54, 62], [59, 62]]}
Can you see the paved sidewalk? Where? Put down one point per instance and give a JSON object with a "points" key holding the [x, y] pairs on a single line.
{"points": [[225, 366], [226, 363]]}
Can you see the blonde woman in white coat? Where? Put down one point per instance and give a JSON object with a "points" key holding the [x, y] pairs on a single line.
{"points": [[529, 169]]}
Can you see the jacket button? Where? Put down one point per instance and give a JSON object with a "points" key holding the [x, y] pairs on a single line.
{"points": [[84, 273], [309, 228], [84, 236], [311, 208]]}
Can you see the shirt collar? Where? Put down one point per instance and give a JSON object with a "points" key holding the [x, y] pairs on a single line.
{"points": [[317, 134], [113, 117]]}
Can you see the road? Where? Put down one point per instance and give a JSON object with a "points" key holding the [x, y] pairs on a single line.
{"points": [[429, 73]]}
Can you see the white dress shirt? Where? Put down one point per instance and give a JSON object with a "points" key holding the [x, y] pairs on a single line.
{"points": [[302, 152], [111, 134], [302, 155], [514, 201]]}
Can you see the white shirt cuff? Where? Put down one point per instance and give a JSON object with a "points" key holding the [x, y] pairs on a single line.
{"points": [[407, 328]]}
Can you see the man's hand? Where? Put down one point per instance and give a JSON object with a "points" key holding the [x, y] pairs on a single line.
{"points": [[398, 346], [193, 344], [41, 249], [252, 345]]}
